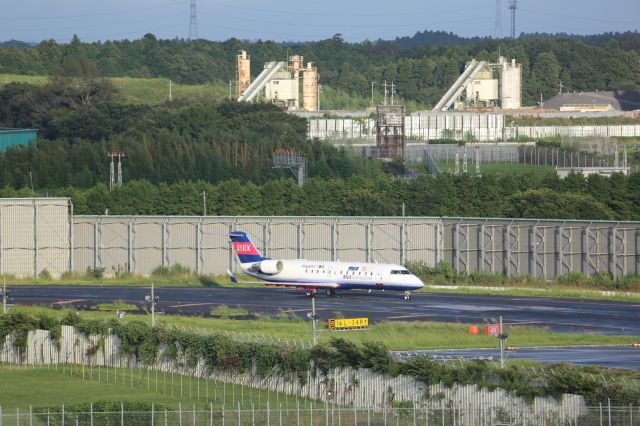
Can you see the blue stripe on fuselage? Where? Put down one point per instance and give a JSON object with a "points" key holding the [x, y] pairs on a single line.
{"points": [[341, 285]]}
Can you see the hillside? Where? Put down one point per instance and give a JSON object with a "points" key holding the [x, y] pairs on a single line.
{"points": [[422, 66]]}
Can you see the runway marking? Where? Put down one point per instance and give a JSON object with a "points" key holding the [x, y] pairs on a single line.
{"points": [[411, 316], [62, 302], [190, 304], [304, 309]]}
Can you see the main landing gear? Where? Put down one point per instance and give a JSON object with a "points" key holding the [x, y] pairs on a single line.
{"points": [[310, 293], [407, 295], [330, 292]]}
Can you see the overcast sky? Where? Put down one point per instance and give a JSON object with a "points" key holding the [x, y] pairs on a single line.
{"points": [[295, 20]]}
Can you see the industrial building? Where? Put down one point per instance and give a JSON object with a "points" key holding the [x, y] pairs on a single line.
{"points": [[619, 100], [279, 83], [484, 84], [14, 137]]}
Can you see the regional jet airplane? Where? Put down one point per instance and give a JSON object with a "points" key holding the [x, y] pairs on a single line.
{"points": [[314, 275]]}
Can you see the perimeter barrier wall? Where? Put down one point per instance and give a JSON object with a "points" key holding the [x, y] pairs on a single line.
{"points": [[42, 234]]}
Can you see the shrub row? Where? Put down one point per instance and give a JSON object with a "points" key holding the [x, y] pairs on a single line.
{"points": [[220, 352]]}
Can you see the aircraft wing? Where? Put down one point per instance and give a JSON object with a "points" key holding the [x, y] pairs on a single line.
{"points": [[285, 283]]}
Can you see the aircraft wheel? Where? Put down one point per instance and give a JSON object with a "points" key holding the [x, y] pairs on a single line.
{"points": [[330, 292], [407, 296]]}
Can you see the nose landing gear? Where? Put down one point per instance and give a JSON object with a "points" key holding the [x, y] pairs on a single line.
{"points": [[407, 295]]}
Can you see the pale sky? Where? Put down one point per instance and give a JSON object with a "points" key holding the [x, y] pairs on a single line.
{"points": [[295, 20]]}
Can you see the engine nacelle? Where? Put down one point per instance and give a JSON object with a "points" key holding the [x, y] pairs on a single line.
{"points": [[271, 267]]}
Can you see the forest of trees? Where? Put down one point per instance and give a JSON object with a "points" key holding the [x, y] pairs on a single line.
{"points": [[175, 151], [528, 196], [422, 66]]}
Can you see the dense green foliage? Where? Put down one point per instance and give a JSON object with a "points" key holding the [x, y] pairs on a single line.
{"points": [[219, 352], [163, 144], [422, 66], [526, 196]]}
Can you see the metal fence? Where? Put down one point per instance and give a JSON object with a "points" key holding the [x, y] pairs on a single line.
{"points": [[42, 234], [458, 126], [35, 235], [323, 415]]}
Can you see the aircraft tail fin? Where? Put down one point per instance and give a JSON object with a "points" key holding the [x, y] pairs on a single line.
{"points": [[244, 248]]}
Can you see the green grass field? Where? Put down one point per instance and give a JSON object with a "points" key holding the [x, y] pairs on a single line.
{"points": [[397, 335], [498, 168], [72, 384], [141, 90]]}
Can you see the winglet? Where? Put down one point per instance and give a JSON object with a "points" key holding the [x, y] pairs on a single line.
{"points": [[232, 277]]}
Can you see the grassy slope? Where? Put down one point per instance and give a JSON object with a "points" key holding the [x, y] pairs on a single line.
{"points": [[396, 335], [156, 90], [48, 387]]}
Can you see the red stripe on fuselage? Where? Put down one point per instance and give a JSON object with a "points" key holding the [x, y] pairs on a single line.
{"points": [[245, 248]]}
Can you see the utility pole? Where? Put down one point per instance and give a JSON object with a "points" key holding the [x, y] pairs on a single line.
{"points": [[313, 317], [393, 91], [204, 203], [5, 296], [170, 91], [230, 81], [385, 92], [372, 83], [152, 299]]}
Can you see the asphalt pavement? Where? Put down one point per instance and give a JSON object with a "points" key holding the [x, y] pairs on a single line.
{"points": [[562, 315]]}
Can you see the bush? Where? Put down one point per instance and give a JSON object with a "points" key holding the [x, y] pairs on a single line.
{"points": [[175, 270], [45, 274]]}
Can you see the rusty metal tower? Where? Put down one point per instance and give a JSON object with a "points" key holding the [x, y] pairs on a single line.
{"points": [[390, 139]]}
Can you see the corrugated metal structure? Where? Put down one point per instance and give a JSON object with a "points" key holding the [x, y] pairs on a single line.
{"points": [[13, 137], [35, 234], [540, 248], [38, 234]]}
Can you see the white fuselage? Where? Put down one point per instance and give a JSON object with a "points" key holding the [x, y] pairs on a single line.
{"points": [[339, 275]]}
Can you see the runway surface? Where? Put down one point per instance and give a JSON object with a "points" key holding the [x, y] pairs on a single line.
{"points": [[563, 315], [606, 356]]}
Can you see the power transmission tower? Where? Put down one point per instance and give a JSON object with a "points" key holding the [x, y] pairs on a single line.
{"points": [[498, 29], [513, 5], [193, 22]]}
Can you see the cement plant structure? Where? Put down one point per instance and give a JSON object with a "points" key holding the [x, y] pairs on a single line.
{"points": [[43, 233], [279, 83], [484, 84]]}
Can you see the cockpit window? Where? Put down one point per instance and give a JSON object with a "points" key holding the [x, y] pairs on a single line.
{"points": [[400, 272], [405, 272]]}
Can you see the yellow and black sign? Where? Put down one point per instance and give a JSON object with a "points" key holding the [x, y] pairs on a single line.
{"points": [[346, 323]]}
